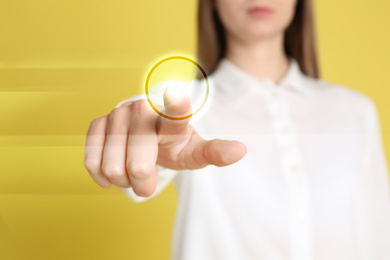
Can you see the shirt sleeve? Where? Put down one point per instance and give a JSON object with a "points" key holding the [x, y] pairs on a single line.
{"points": [[165, 176], [376, 187]]}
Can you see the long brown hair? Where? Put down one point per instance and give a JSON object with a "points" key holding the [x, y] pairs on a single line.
{"points": [[299, 37]]}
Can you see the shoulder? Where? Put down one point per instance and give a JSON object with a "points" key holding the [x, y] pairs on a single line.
{"points": [[338, 94], [350, 105]]}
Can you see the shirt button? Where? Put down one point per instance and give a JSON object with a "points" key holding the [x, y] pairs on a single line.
{"points": [[285, 129], [294, 168]]}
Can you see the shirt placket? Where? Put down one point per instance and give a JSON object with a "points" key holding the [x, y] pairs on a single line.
{"points": [[293, 172]]}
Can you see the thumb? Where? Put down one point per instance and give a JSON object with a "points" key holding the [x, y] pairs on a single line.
{"points": [[178, 109], [221, 152]]}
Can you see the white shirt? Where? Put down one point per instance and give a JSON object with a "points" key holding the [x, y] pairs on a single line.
{"points": [[313, 184]]}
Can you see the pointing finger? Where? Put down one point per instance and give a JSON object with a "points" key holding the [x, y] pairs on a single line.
{"points": [[177, 104]]}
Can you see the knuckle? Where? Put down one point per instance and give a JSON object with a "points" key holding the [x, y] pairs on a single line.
{"points": [[113, 171], [117, 113], [139, 107], [91, 164], [98, 121], [128, 103], [139, 170]]}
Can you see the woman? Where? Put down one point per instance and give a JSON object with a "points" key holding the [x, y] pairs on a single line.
{"points": [[306, 177]]}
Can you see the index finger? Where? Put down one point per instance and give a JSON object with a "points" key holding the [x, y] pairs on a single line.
{"points": [[177, 104]]}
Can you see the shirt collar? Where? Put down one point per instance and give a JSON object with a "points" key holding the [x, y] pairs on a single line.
{"points": [[234, 79]]}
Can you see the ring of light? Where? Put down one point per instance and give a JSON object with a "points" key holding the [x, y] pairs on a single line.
{"points": [[177, 58]]}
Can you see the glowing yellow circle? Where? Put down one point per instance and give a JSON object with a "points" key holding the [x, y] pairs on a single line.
{"points": [[177, 58]]}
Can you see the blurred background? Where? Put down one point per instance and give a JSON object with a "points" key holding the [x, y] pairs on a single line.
{"points": [[65, 62]]}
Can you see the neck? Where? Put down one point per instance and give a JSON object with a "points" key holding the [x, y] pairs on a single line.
{"points": [[263, 58]]}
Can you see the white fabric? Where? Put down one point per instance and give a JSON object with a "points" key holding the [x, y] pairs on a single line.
{"points": [[313, 184]]}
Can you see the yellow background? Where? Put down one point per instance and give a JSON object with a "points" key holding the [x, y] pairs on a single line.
{"points": [[66, 62]]}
